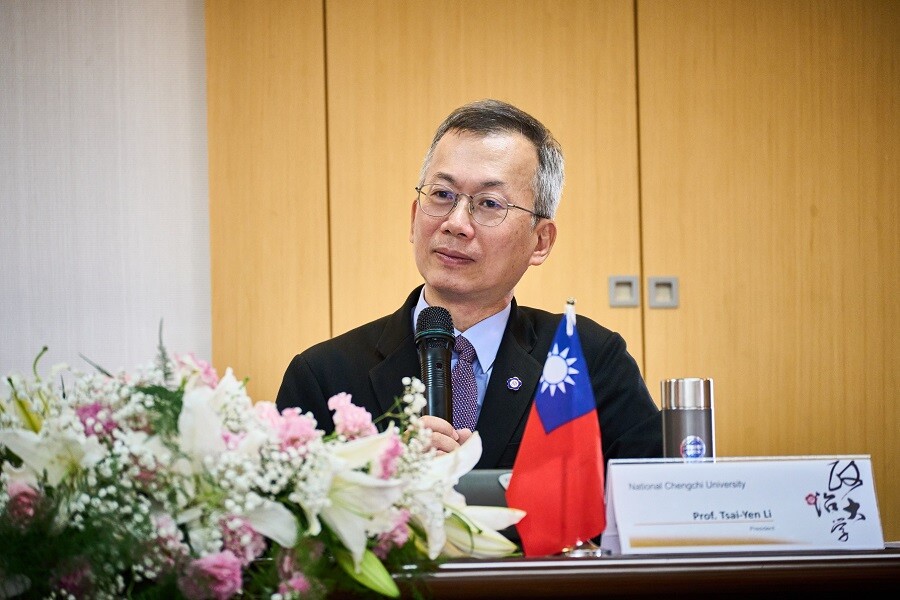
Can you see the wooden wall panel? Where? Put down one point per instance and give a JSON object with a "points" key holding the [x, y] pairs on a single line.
{"points": [[268, 185], [396, 69], [770, 141]]}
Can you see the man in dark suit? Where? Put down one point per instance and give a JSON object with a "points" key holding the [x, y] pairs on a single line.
{"points": [[488, 191]]}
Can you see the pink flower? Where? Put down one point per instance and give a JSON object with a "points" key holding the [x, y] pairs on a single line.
{"points": [[216, 576], [389, 458], [22, 504], [88, 415], [298, 584], [294, 582], [394, 538], [241, 539], [191, 366], [268, 414], [287, 564], [288, 561], [77, 579], [295, 429], [350, 420], [232, 440]]}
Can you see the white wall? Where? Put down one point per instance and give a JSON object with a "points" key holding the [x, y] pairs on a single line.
{"points": [[104, 227]]}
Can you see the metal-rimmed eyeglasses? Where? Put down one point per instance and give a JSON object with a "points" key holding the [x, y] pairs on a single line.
{"points": [[487, 208]]}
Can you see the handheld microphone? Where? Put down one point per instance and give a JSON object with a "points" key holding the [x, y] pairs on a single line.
{"points": [[434, 339]]}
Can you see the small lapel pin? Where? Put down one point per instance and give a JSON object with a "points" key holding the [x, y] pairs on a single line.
{"points": [[514, 383]]}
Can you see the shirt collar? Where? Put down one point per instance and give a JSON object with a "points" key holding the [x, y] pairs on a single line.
{"points": [[484, 336]]}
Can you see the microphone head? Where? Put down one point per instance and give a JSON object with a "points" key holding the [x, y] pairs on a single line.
{"points": [[434, 321]]}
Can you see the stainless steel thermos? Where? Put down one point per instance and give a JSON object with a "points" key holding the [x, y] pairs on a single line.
{"points": [[688, 424]]}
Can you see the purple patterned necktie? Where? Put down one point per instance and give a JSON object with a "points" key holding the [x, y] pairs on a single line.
{"points": [[465, 390]]}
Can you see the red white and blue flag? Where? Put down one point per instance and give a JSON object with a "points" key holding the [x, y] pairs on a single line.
{"points": [[557, 478]]}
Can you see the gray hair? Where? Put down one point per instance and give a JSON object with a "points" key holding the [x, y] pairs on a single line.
{"points": [[494, 116]]}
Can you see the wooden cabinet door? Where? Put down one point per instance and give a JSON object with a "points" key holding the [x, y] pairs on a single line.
{"points": [[268, 192], [770, 145]]}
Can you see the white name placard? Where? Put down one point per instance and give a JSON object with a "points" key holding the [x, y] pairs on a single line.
{"points": [[741, 504]]}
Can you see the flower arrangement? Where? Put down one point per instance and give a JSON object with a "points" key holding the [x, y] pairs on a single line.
{"points": [[170, 482]]}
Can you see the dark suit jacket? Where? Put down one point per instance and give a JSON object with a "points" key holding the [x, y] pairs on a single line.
{"points": [[370, 361]]}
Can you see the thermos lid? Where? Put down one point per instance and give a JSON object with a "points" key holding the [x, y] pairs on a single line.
{"points": [[687, 393]]}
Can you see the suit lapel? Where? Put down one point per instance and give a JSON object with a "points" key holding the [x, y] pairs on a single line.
{"points": [[505, 409], [398, 349]]}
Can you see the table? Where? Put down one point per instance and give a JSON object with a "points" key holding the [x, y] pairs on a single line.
{"points": [[746, 574]]}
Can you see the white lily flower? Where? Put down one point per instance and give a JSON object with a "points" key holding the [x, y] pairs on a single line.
{"points": [[492, 517], [275, 522], [474, 531], [430, 491], [329, 491], [357, 500], [191, 514], [228, 390], [56, 454], [363, 451], [199, 426], [453, 528], [458, 463]]}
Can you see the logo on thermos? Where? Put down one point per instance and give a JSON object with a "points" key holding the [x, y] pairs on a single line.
{"points": [[693, 447]]}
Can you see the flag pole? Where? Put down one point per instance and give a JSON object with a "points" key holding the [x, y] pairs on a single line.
{"points": [[581, 548], [586, 548]]}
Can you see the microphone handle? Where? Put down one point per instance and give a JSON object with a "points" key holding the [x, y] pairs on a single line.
{"points": [[435, 363]]}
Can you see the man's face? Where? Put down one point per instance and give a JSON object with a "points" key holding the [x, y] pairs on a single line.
{"points": [[460, 259]]}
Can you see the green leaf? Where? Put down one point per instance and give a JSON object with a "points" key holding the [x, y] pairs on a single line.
{"points": [[372, 572], [96, 366], [164, 415]]}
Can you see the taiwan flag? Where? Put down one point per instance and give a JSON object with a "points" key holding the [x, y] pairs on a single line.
{"points": [[557, 478]]}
